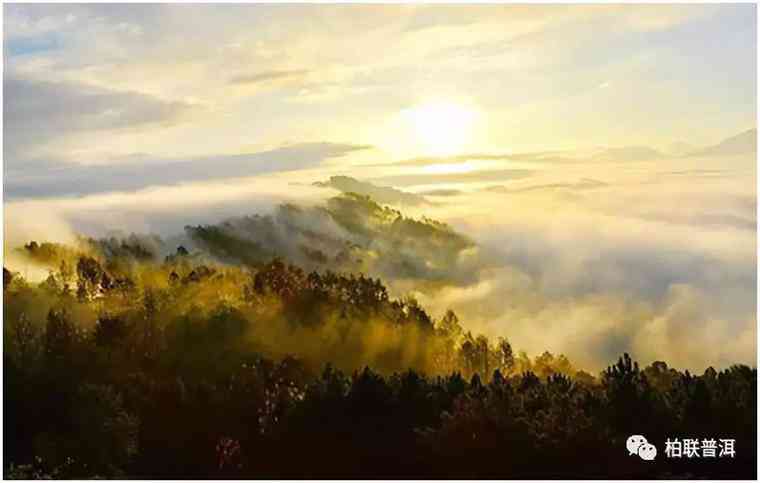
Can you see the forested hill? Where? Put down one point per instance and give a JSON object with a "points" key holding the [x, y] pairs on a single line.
{"points": [[276, 309], [269, 347], [351, 233]]}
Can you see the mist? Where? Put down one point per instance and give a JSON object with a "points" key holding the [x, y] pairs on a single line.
{"points": [[656, 258]]}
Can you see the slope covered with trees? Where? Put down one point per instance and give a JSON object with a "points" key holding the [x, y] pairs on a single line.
{"points": [[222, 361]]}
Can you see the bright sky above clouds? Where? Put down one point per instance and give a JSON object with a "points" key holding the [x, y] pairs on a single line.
{"points": [[112, 83]]}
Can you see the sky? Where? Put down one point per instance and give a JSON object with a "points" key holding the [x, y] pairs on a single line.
{"points": [[578, 145]]}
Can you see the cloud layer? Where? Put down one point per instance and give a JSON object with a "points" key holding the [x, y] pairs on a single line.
{"points": [[657, 264], [52, 179], [37, 110]]}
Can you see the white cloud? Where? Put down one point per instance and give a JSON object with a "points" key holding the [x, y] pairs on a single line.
{"points": [[38, 112]]}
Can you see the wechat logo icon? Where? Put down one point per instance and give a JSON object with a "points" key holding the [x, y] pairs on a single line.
{"points": [[639, 445]]}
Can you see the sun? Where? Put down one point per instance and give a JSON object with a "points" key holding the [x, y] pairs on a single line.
{"points": [[440, 128]]}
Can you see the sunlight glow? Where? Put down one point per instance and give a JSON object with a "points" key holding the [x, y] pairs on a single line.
{"points": [[440, 128]]}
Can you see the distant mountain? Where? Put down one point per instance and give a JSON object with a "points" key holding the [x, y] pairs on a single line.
{"points": [[381, 194], [744, 143], [629, 153], [680, 148], [350, 233]]}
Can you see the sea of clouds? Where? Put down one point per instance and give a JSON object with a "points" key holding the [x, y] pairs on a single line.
{"points": [[588, 257]]}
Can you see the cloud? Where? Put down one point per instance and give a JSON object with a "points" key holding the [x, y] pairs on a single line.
{"points": [[612, 270], [629, 153], [441, 192], [685, 329], [580, 185], [471, 177], [269, 76], [594, 328], [37, 112], [538, 157], [616, 268], [51, 179], [460, 158], [530, 45], [696, 172], [728, 220], [163, 210]]}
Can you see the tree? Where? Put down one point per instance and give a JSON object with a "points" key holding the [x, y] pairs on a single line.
{"points": [[24, 341], [449, 325], [65, 274], [90, 275], [469, 354], [506, 358], [105, 435], [629, 394], [483, 353], [7, 278], [110, 331], [60, 335]]}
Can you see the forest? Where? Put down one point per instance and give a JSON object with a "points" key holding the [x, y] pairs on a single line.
{"points": [[271, 347]]}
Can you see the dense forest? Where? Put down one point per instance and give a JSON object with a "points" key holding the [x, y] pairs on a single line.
{"points": [[270, 347]]}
